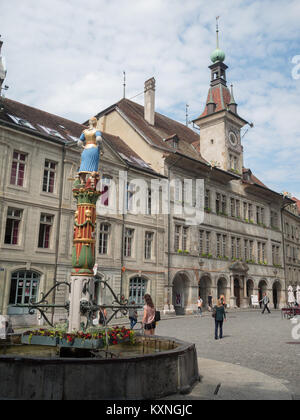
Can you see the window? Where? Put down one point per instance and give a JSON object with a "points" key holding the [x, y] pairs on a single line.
{"points": [[13, 220], [177, 237], [224, 204], [103, 238], [259, 252], [219, 252], [238, 208], [233, 248], [204, 242], [129, 196], [245, 211], [218, 203], [46, 222], [18, 169], [207, 199], [181, 238], [49, 176], [250, 212], [246, 249], [128, 242], [149, 201], [274, 219], [232, 207], [185, 238], [105, 185], [224, 245], [137, 290], [148, 245], [24, 287]]}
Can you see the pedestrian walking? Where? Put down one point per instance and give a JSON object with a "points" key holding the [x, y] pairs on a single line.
{"points": [[220, 316], [265, 301], [102, 316], [200, 303], [133, 316], [149, 316]]}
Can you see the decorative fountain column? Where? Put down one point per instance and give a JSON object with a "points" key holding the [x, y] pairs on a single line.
{"points": [[83, 255]]}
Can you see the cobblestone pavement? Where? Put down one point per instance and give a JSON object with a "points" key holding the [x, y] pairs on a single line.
{"points": [[251, 340]]}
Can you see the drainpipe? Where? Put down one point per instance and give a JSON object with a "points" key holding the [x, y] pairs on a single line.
{"points": [[58, 224], [123, 231]]}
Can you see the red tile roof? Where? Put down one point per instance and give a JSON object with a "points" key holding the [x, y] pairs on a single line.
{"points": [[221, 97], [37, 117], [297, 203], [163, 129]]}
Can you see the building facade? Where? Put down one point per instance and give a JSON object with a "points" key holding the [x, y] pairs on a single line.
{"points": [[246, 243]]}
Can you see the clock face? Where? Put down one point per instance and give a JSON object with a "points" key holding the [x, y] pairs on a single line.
{"points": [[233, 138]]}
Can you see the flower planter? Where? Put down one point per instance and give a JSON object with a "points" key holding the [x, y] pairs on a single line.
{"points": [[39, 340], [80, 343]]}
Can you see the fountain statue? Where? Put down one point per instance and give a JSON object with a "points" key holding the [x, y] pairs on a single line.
{"points": [[46, 364], [86, 194]]}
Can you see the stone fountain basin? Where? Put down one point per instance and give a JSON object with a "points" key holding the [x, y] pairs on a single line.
{"points": [[167, 370]]}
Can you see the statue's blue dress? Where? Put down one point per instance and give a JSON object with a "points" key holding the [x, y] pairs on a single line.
{"points": [[91, 155]]}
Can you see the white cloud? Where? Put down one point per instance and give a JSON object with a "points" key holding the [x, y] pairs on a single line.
{"points": [[67, 57]]}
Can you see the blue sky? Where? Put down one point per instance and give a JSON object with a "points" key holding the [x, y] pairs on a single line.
{"points": [[68, 56]]}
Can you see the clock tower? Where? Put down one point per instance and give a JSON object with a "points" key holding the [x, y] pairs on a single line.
{"points": [[220, 125]]}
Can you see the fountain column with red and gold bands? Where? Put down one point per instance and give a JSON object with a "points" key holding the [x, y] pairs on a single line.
{"points": [[83, 254]]}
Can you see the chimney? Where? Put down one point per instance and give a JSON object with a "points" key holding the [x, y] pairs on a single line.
{"points": [[149, 110], [2, 68]]}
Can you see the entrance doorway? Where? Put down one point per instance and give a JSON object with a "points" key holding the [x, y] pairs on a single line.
{"points": [[250, 290], [276, 294], [237, 292], [180, 293], [262, 288], [222, 287], [205, 289]]}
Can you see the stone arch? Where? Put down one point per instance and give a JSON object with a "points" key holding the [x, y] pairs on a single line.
{"points": [[181, 291], [250, 288], [205, 288], [222, 286], [238, 289], [262, 288], [276, 293]]}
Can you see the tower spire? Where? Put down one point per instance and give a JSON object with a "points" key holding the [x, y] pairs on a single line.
{"points": [[2, 67], [232, 104], [217, 30]]}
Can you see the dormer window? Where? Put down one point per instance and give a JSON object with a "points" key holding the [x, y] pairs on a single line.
{"points": [[52, 132], [173, 141], [21, 121]]}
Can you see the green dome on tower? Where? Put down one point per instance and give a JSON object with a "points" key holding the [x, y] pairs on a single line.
{"points": [[217, 55]]}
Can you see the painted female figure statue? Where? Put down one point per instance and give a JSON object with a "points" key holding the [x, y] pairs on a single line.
{"points": [[90, 140]]}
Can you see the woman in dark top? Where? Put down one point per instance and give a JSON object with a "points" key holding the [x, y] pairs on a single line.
{"points": [[220, 316]]}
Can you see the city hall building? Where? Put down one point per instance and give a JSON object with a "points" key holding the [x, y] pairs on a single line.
{"points": [[247, 243]]}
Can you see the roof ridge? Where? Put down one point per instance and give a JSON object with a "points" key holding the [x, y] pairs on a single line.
{"points": [[40, 110]]}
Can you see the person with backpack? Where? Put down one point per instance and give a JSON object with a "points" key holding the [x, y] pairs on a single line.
{"points": [[265, 301], [133, 316], [220, 316], [149, 316]]}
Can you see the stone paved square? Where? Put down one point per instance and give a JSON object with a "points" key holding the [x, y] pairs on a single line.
{"points": [[251, 340]]}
